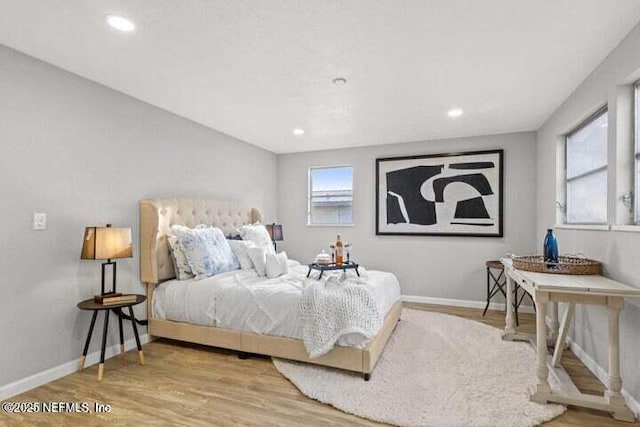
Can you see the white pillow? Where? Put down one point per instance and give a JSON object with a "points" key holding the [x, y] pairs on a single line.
{"points": [[239, 248], [276, 264], [258, 234], [180, 263], [258, 258]]}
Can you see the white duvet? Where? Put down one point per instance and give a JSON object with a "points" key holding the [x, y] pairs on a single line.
{"points": [[241, 300]]}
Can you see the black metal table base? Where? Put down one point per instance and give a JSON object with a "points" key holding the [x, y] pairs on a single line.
{"points": [[105, 330], [499, 286], [332, 267]]}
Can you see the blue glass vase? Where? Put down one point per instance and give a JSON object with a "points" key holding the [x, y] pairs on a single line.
{"points": [[550, 247]]}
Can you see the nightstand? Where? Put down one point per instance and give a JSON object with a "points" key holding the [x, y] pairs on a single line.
{"points": [[90, 304]]}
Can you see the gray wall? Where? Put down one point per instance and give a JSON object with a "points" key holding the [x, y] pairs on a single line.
{"points": [[429, 266], [85, 155], [619, 251]]}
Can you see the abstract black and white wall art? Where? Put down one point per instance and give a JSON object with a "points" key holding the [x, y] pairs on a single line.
{"points": [[456, 194]]}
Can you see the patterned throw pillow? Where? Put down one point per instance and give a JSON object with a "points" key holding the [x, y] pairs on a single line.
{"points": [[258, 234], [239, 248], [206, 250], [180, 263]]}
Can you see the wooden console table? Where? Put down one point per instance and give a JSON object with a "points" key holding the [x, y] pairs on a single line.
{"points": [[554, 288]]}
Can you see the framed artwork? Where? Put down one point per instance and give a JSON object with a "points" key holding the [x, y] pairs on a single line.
{"points": [[457, 194]]}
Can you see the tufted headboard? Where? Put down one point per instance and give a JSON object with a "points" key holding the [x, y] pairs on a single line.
{"points": [[158, 215]]}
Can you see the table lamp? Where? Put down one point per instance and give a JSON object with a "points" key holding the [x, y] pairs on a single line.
{"points": [[107, 243], [275, 232]]}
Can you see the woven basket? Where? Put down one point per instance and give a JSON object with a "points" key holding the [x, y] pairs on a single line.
{"points": [[565, 265]]}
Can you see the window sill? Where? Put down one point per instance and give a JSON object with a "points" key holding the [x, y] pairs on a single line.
{"points": [[631, 228], [592, 227], [331, 225]]}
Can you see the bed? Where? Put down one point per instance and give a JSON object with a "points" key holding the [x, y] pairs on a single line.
{"points": [[168, 317]]}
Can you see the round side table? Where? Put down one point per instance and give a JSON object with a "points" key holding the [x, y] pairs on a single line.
{"points": [[91, 305]]}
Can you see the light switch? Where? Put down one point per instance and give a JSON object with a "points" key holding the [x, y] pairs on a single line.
{"points": [[39, 221]]}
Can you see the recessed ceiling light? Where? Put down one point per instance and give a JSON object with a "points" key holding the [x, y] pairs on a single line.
{"points": [[455, 112], [339, 81], [120, 23], [298, 131]]}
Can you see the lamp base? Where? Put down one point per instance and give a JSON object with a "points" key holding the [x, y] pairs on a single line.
{"points": [[113, 266]]}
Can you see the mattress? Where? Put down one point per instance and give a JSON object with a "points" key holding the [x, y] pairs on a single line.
{"points": [[241, 300]]}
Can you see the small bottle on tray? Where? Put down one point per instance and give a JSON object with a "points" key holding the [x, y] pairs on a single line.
{"points": [[339, 251]]}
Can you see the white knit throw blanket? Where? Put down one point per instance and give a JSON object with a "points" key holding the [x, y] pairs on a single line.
{"points": [[332, 308]]}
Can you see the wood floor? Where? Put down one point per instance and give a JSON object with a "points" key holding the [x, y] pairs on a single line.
{"points": [[190, 385]]}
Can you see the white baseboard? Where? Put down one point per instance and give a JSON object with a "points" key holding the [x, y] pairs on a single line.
{"points": [[602, 374], [462, 303], [25, 384]]}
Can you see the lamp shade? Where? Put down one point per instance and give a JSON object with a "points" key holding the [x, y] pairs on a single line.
{"points": [[106, 243], [275, 231]]}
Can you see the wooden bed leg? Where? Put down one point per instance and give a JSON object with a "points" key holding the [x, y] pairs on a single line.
{"points": [[242, 355], [366, 376]]}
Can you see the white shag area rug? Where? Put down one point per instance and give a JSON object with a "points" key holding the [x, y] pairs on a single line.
{"points": [[436, 370]]}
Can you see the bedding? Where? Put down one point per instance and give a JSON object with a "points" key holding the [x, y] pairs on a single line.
{"points": [[180, 263], [258, 234], [206, 249], [239, 248], [276, 265], [242, 300], [336, 307], [259, 259]]}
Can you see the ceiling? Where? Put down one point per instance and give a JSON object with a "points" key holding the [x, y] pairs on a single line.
{"points": [[257, 69]]}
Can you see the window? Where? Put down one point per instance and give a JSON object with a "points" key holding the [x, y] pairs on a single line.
{"points": [[330, 196], [636, 193], [586, 172]]}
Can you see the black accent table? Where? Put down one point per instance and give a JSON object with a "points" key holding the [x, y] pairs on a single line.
{"points": [[90, 304], [349, 265], [499, 286]]}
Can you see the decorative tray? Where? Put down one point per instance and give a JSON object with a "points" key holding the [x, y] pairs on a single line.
{"points": [[565, 265]]}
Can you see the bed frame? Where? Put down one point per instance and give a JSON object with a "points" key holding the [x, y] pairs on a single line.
{"points": [[156, 265]]}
